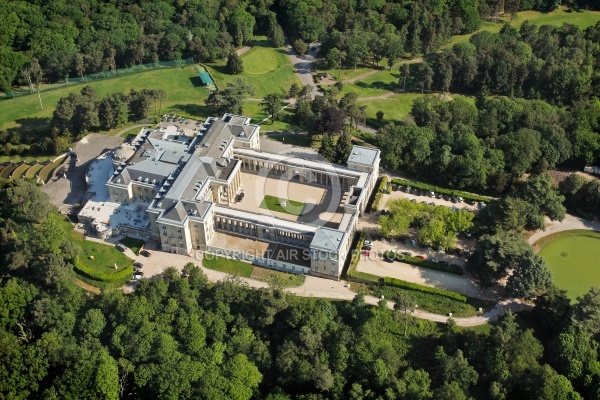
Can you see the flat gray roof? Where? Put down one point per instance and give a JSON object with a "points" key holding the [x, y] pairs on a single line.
{"points": [[363, 155], [327, 239]]}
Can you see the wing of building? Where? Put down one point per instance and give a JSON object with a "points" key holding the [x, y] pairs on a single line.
{"points": [[182, 184]]}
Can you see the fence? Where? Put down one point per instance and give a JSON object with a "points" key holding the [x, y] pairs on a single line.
{"points": [[103, 75]]}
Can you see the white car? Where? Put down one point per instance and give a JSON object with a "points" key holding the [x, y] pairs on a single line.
{"points": [[367, 243], [138, 275]]}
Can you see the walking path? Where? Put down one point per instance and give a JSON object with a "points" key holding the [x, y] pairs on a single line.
{"points": [[569, 223], [312, 287], [303, 66]]}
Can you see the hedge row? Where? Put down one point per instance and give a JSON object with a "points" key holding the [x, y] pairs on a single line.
{"points": [[122, 275], [379, 194], [449, 192], [356, 254], [425, 289], [452, 269]]}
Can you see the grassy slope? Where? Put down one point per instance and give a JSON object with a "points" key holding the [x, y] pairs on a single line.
{"points": [[397, 107], [227, 265], [583, 19], [176, 82], [268, 69], [574, 261]]}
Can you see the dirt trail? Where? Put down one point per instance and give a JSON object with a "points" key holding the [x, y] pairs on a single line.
{"points": [[380, 97], [243, 50]]}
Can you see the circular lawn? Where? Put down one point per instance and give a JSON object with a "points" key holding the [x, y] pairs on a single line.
{"points": [[574, 259]]}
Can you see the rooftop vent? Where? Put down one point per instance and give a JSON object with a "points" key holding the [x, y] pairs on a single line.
{"points": [[139, 178]]}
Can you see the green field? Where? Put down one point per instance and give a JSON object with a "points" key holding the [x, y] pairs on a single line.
{"points": [[253, 110], [583, 19], [274, 204], [279, 278], [227, 265], [377, 84], [574, 259], [182, 96], [397, 107], [268, 69]]}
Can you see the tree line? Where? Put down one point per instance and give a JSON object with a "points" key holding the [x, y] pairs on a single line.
{"points": [[490, 145], [75, 39], [181, 337], [556, 64]]}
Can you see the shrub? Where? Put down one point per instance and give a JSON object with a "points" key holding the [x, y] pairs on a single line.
{"points": [[121, 275], [378, 194], [452, 269], [356, 254], [425, 289], [449, 192]]}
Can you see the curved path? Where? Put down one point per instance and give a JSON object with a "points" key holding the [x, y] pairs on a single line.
{"points": [[569, 223]]}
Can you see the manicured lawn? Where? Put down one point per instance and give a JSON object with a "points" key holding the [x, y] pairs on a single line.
{"points": [[33, 171], [346, 73], [266, 68], [274, 204], [293, 139], [574, 259], [285, 123], [283, 279], [134, 244], [396, 107], [178, 83], [227, 265], [105, 255], [17, 173], [377, 84]]}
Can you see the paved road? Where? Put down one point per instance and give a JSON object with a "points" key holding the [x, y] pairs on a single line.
{"points": [[303, 66], [312, 287]]}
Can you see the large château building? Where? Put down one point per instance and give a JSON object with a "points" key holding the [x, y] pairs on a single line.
{"points": [[190, 186]]}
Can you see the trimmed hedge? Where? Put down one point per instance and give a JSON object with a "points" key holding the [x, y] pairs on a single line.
{"points": [[452, 269], [437, 189], [379, 193], [425, 289], [123, 275], [356, 254]]}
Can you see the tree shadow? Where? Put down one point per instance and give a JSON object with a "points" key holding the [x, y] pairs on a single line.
{"points": [[31, 124], [378, 85], [260, 43], [198, 110], [196, 81], [222, 69]]}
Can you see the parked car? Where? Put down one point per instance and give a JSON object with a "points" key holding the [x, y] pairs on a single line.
{"points": [[482, 204], [433, 260], [413, 200], [404, 239], [420, 257], [120, 247], [413, 242], [470, 202], [137, 265], [366, 247], [138, 275], [366, 253], [367, 243], [145, 253], [431, 194]]}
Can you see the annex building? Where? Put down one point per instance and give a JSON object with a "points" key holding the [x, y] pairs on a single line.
{"points": [[207, 186]]}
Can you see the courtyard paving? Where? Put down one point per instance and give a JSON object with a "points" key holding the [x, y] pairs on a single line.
{"points": [[322, 205]]}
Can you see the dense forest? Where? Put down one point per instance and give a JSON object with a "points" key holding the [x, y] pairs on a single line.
{"points": [[74, 38], [177, 337]]}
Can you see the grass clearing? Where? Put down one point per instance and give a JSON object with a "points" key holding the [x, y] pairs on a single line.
{"points": [[377, 84], [582, 19], [266, 68], [285, 123], [182, 96], [282, 205], [133, 244], [574, 259], [293, 139], [396, 108], [227, 265], [345, 74], [282, 279]]}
